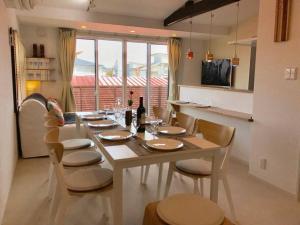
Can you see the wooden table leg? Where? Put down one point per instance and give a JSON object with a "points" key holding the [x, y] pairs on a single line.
{"points": [[214, 182], [118, 196]]}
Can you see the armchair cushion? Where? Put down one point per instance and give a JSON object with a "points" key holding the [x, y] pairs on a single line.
{"points": [[53, 106]]}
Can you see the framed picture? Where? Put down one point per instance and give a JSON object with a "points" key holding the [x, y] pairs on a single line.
{"points": [[282, 20]]}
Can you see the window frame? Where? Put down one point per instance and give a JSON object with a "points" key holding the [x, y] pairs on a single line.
{"points": [[124, 41]]}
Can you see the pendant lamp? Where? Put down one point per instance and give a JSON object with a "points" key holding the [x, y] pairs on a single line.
{"points": [[235, 61], [209, 56], [190, 53]]}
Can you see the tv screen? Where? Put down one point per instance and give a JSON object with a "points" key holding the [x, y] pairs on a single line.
{"points": [[216, 72]]}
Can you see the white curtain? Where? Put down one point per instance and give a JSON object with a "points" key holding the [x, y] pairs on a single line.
{"points": [[20, 66], [174, 50], [67, 52]]}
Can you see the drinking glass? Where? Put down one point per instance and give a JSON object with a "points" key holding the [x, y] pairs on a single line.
{"points": [[154, 125]]}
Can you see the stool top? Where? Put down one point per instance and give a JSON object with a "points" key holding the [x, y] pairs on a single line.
{"points": [[189, 209]]}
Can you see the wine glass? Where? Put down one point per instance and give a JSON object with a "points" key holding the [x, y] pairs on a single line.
{"points": [[154, 125]]}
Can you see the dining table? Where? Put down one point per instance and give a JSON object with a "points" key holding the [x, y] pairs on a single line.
{"points": [[132, 152]]}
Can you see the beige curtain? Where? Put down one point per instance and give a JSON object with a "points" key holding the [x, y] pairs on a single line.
{"points": [[20, 61], [174, 50], [67, 49]]}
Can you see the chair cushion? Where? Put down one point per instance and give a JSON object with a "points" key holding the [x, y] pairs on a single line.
{"points": [[76, 143], [189, 209], [151, 217], [89, 179], [195, 166], [81, 158], [53, 106]]}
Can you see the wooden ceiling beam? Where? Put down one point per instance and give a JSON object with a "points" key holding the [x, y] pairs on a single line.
{"points": [[191, 9]]}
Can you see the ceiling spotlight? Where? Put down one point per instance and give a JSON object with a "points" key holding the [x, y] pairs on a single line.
{"points": [[132, 31], [83, 27]]}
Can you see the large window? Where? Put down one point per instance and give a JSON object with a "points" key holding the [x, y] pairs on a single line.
{"points": [[122, 66], [137, 71], [110, 72], [84, 79]]}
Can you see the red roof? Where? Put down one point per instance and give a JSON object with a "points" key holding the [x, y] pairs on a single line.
{"points": [[89, 81]]}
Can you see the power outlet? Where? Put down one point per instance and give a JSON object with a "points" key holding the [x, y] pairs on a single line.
{"points": [[263, 164]]}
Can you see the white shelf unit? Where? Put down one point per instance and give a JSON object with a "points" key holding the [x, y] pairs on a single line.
{"points": [[246, 41], [39, 69]]}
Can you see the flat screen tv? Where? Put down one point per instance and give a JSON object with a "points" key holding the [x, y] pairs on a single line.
{"points": [[216, 72]]}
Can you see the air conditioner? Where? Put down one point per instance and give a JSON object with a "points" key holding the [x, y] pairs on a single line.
{"points": [[22, 4]]}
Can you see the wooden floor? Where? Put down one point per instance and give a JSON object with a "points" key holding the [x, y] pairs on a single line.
{"points": [[256, 202]]}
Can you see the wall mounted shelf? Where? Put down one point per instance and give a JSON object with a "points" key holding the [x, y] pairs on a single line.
{"points": [[246, 41]]}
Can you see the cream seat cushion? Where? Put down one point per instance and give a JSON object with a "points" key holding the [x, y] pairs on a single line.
{"points": [[195, 166], [89, 179], [189, 209], [81, 158], [76, 143]]}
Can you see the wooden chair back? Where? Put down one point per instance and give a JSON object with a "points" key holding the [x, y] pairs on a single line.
{"points": [[51, 123], [216, 133], [162, 113], [56, 150], [185, 121], [219, 134], [49, 115]]}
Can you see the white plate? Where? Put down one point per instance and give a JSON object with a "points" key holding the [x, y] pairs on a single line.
{"points": [[165, 144], [102, 123], [76, 143], [94, 117], [171, 130], [116, 135], [150, 120]]}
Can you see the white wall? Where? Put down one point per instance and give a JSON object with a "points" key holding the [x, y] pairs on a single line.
{"points": [[238, 101], [189, 71], [276, 129], [30, 35], [8, 149]]}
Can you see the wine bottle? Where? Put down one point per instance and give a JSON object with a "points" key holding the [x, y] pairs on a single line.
{"points": [[141, 115]]}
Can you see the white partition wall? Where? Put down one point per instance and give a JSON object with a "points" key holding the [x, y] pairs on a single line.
{"points": [[231, 100], [240, 101]]}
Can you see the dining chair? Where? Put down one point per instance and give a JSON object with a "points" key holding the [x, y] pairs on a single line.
{"points": [[165, 115], [177, 209], [162, 113], [79, 182], [198, 169], [185, 121], [71, 158]]}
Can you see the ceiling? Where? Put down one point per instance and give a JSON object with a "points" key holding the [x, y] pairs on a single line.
{"points": [[159, 9], [145, 17]]}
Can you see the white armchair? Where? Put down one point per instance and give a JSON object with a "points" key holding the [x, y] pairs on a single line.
{"points": [[32, 130]]}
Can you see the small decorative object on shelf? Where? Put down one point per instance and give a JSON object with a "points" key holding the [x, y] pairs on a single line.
{"points": [[130, 101], [39, 69], [34, 51], [42, 51]]}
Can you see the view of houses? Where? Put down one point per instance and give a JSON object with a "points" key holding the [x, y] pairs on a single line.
{"points": [[110, 81]]}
